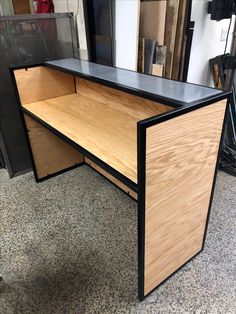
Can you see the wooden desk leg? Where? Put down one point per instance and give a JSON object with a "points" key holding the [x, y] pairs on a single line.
{"points": [[50, 154], [177, 166]]}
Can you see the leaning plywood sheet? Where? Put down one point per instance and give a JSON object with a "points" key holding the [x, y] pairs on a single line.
{"points": [[170, 33], [126, 32], [152, 20]]}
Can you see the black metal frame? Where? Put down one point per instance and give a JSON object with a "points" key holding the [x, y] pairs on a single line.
{"points": [[141, 154]]}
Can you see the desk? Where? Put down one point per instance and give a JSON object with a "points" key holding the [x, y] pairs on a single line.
{"points": [[156, 139]]}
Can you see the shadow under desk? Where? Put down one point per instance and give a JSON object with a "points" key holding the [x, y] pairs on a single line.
{"points": [[156, 139]]}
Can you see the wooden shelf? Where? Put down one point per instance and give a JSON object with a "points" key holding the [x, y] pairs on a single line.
{"points": [[106, 130]]}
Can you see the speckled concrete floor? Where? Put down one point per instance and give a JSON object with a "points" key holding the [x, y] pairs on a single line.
{"points": [[68, 245]]}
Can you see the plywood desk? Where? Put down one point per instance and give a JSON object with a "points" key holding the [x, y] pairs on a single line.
{"points": [[158, 140]]}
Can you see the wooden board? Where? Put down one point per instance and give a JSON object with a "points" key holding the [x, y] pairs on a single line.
{"points": [[40, 83], [21, 6], [181, 156], [152, 20], [170, 33], [111, 178], [179, 41], [157, 69], [50, 153], [101, 120]]}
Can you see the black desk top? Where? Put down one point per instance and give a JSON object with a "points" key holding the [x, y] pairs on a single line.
{"points": [[148, 86]]}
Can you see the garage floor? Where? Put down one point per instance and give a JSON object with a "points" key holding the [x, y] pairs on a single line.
{"points": [[68, 245]]}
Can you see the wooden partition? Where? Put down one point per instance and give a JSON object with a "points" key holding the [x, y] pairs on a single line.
{"points": [[41, 83], [179, 161], [51, 155]]}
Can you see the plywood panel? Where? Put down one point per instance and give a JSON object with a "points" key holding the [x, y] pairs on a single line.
{"points": [[21, 6], [126, 32], [152, 20], [157, 69], [138, 107], [51, 154], [40, 83], [111, 178], [181, 155], [170, 33], [99, 120]]}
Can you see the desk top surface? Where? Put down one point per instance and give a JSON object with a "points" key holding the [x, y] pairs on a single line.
{"points": [[159, 89]]}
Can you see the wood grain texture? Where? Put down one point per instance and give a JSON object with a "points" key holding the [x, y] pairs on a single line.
{"points": [[135, 106], [157, 69], [101, 120], [152, 20], [50, 153], [181, 156], [179, 41], [121, 185], [170, 33], [40, 83]]}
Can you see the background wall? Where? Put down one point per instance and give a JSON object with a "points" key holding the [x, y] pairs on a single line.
{"points": [[77, 8], [6, 7], [206, 43], [126, 31]]}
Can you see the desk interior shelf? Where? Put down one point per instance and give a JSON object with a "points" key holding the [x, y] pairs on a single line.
{"points": [[100, 119]]}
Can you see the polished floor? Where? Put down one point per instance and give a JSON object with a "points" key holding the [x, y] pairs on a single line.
{"points": [[68, 245]]}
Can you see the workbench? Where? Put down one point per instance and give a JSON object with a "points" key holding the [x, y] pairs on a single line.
{"points": [[156, 139]]}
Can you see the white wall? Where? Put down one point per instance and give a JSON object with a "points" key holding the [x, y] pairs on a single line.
{"points": [[206, 43], [6, 7], [126, 33], [126, 27], [75, 6]]}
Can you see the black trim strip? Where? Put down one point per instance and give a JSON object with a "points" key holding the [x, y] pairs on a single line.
{"points": [[141, 142]]}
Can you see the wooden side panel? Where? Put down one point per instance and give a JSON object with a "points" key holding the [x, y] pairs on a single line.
{"points": [[121, 185], [41, 83], [50, 153], [181, 156]]}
